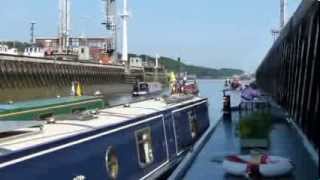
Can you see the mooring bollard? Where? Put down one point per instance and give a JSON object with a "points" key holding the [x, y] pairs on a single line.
{"points": [[226, 104]]}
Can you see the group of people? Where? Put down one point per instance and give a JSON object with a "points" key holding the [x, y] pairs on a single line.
{"points": [[250, 92], [177, 87], [183, 86]]}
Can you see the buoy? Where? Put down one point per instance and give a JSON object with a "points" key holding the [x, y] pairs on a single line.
{"points": [[266, 166], [79, 89], [98, 93]]}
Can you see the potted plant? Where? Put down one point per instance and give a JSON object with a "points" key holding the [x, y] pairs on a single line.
{"points": [[254, 130]]}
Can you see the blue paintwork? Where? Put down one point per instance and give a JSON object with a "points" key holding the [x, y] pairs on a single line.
{"points": [[88, 158]]}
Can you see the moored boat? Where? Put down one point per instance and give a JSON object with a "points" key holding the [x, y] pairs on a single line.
{"points": [[145, 88], [190, 86], [141, 140], [46, 108]]}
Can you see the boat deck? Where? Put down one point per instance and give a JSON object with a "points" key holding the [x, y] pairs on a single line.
{"points": [[284, 139], [106, 117]]}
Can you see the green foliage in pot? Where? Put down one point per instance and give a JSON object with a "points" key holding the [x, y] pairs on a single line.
{"points": [[256, 125]]}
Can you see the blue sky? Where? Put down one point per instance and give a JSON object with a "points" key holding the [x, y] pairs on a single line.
{"points": [[234, 34]]}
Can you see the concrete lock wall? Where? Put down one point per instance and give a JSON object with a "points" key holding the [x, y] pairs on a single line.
{"points": [[26, 78], [290, 71]]}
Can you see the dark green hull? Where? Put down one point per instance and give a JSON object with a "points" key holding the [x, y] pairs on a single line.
{"points": [[43, 109]]}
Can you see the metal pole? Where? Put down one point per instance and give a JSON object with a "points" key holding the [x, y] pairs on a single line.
{"points": [[283, 13], [124, 17], [32, 40]]}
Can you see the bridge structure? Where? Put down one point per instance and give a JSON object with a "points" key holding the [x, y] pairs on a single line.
{"points": [[290, 71]]}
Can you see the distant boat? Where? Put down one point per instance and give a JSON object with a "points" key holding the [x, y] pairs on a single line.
{"points": [[34, 52], [141, 140], [190, 86], [4, 49], [145, 88]]}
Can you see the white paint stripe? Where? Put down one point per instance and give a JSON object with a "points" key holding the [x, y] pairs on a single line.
{"points": [[175, 132], [15, 161], [155, 170], [165, 137], [189, 106]]}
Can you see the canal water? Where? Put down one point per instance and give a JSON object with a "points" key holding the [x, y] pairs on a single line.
{"points": [[212, 89]]}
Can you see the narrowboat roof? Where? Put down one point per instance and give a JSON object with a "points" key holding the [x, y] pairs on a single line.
{"points": [[105, 118], [17, 106]]}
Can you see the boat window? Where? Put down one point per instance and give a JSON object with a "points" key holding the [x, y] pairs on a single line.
{"points": [[46, 116], [112, 163], [143, 87], [12, 133], [144, 146], [78, 110], [193, 124]]}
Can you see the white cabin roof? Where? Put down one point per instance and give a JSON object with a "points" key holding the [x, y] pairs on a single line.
{"points": [[106, 117]]}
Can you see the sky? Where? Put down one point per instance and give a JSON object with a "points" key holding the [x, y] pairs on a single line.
{"points": [[211, 33]]}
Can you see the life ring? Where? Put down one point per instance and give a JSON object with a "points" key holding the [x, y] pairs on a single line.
{"points": [[268, 166]]}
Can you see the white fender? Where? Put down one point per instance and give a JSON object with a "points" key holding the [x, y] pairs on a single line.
{"points": [[276, 166], [235, 168]]}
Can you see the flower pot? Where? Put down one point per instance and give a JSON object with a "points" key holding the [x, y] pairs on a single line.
{"points": [[254, 143]]}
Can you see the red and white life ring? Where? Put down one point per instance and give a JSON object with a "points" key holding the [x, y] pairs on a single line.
{"points": [[269, 166]]}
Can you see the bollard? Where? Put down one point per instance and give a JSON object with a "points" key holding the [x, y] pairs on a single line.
{"points": [[226, 105]]}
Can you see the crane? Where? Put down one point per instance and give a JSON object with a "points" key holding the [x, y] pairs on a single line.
{"points": [[111, 25], [283, 19], [65, 24]]}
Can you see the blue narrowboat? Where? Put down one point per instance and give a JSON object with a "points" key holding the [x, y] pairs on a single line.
{"points": [[142, 140]]}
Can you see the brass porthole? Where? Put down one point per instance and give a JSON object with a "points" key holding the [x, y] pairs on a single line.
{"points": [[112, 163]]}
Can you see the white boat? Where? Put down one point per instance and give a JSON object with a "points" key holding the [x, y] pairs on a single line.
{"points": [[34, 52], [145, 88], [4, 49]]}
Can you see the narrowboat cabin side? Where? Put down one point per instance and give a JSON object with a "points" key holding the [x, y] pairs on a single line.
{"points": [[139, 141]]}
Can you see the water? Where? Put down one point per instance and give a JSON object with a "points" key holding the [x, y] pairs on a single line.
{"points": [[212, 89]]}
